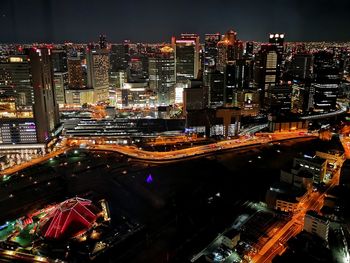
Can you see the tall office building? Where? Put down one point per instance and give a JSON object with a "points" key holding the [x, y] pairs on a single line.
{"points": [[301, 101], [59, 60], [186, 57], [103, 42], [301, 66], [229, 48], [277, 39], [211, 51], [238, 76], [249, 49], [278, 99], [162, 75], [216, 88], [138, 66], [266, 70], [28, 112], [119, 56], [230, 82], [75, 73], [60, 80], [326, 82], [98, 73]]}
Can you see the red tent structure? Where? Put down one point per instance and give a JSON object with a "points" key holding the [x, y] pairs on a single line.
{"points": [[69, 218]]}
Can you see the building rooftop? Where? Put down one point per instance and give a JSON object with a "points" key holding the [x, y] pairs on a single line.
{"points": [[287, 192], [232, 233], [313, 159], [316, 215]]}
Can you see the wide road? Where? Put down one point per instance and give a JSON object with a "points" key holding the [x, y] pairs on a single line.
{"points": [[279, 240], [171, 156], [197, 151]]}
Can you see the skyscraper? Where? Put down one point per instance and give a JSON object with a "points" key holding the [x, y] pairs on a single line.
{"points": [[162, 75], [301, 66], [249, 49], [277, 41], [103, 42], [266, 73], [229, 48], [326, 82], [211, 51], [98, 73], [59, 60], [186, 57], [119, 57], [216, 89], [75, 73], [61, 85], [29, 113]]}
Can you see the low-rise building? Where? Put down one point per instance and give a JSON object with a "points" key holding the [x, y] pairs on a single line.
{"points": [[231, 238], [286, 124], [316, 224], [285, 197], [335, 159], [299, 178], [79, 96], [315, 165], [286, 204]]}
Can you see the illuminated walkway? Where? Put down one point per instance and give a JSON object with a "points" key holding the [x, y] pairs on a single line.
{"points": [[34, 161]]}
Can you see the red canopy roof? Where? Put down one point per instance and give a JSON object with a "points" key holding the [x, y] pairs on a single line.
{"points": [[69, 218]]}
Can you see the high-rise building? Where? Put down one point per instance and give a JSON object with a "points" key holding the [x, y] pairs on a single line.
{"points": [[229, 49], [266, 70], [119, 57], [194, 97], [278, 98], [230, 82], [29, 113], [326, 83], [60, 82], [301, 66], [248, 101], [277, 39], [216, 86], [211, 51], [98, 73], [186, 57], [59, 60], [103, 42], [249, 48], [75, 73], [301, 101], [162, 75], [138, 66]]}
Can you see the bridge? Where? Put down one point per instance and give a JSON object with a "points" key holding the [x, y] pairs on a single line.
{"points": [[342, 109]]}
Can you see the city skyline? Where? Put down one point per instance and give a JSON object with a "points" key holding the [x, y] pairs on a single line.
{"points": [[81, 21], [185, 131]]}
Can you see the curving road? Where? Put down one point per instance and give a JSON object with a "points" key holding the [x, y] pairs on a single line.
{"points": [[170, 156], [342, 109], [197, 151]]}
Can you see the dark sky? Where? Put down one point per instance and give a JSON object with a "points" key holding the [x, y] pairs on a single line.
{"points": [[158, 20]]}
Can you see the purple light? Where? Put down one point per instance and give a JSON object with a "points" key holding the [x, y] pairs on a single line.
{"points": [[149, 179]]}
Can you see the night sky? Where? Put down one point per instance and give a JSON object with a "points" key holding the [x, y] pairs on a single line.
{"points": [[158, 20]]}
